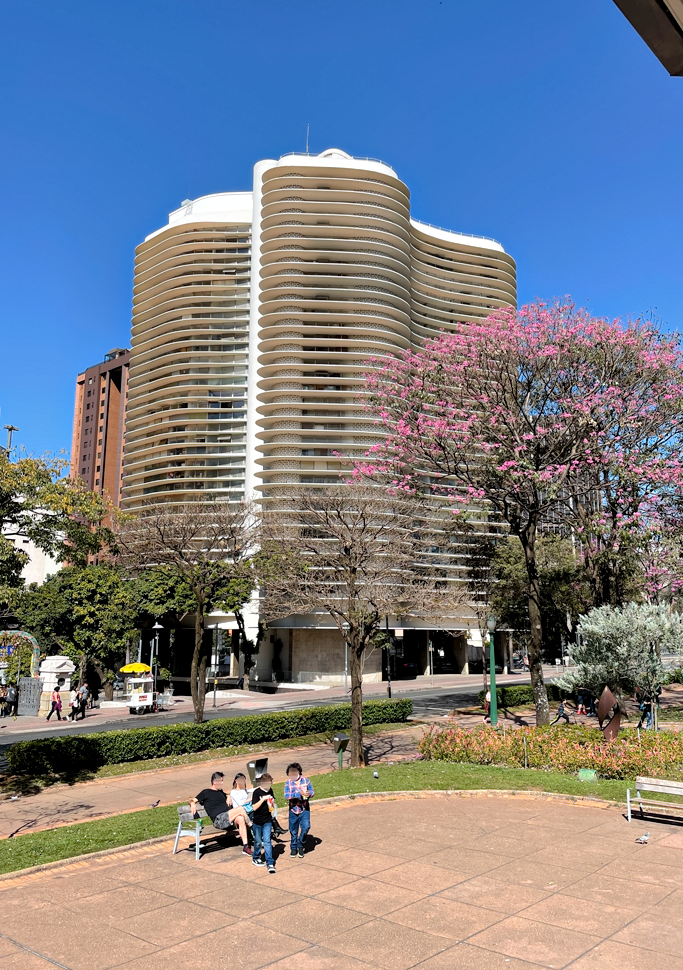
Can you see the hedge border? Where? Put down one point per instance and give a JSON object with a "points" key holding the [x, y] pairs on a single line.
{"points": [[71, 754]]}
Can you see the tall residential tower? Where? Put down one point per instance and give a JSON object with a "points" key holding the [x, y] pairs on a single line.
{"points": [[257, 316]]}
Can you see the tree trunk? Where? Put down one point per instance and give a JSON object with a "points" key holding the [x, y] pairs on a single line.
{"points": [[356, 665], [536, 627], [198, 668]]}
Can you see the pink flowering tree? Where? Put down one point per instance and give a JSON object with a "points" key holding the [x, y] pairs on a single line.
{"points": [[545, 418]]}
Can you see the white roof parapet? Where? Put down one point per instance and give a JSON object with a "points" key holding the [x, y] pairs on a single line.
{"points": [[225, 207], [464, 238]]}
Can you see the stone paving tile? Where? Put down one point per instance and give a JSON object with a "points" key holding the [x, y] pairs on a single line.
{"points": [[24, 960], [451, 918], [469, 861], [492, 894], [53, 937], [312, 920], [302, 878], [371, 897], [245, 945], [320, 958], [585, 855], [387, 944], [463, 956], [670, 907], [611, 955], [420, 876], [7, 948], [535, 942], [536, 876], [501, 844], [645, 871], [357, 862], [246, 899], [580, 914], [401, 849], [109, 906], [175, 923], [650, 932], [188, 883], [601, 888]]}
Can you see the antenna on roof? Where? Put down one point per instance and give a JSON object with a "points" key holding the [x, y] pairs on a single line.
{"points": [[308, 128]]}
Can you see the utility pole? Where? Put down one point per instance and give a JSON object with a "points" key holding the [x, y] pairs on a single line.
{"points": [[9, 428]]}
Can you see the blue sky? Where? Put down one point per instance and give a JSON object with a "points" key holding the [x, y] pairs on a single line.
{"points": [[549, 126]]}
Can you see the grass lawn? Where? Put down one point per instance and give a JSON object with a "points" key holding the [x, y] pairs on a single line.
{"points": [[61, 843]]}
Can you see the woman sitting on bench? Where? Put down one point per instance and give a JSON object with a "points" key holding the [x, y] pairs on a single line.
{"points": [[223, 816]]}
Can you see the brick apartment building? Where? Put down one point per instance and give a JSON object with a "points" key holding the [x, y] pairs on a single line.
{"points": [[99, 424]]}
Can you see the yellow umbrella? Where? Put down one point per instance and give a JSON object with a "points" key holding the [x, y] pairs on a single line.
{"points": [[136, 669]]}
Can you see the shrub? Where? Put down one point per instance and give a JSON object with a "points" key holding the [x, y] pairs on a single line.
{"points": [[565, 749], [73, 753], [514, 695]]}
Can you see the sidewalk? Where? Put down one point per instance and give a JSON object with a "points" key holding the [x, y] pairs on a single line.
{"points": [[65, 804]]}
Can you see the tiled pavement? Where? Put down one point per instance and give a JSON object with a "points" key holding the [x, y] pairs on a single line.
{"points": [[441, 883]]}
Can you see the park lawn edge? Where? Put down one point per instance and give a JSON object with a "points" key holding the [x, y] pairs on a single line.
{"points": [[82, 839]]}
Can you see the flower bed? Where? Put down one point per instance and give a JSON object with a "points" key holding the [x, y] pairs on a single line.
{"points": [[565, 749]]}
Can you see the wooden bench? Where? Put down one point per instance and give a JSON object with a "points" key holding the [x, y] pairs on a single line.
{"points": [[659, 786], [189, 824]]}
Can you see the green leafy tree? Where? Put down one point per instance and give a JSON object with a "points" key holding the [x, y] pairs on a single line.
{"points": [[59, 515], [86, 612], [564, 589], [624, 648], [207, 546]]}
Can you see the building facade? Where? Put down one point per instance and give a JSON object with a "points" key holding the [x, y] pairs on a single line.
{"points": [[256, 318], [99, 424]]}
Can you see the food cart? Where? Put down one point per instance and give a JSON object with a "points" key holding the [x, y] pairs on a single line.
{"points": [[141, 697]]}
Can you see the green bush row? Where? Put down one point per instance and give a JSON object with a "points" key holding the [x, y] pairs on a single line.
{"points": [[71, 754], [515, 695]]}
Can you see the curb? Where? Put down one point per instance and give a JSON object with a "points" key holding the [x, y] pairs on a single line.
{"points": [[332, 803]]}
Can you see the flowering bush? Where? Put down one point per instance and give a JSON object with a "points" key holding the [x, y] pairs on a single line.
{"points": [[565, 749]]}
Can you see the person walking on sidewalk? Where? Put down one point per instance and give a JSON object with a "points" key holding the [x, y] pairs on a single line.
{"points": [[263, 803], [74, 703], [298, 791], [12, 701], [56, 705], [83, 695]]}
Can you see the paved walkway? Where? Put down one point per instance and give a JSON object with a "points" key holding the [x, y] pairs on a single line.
{"points": [[439, 883], [65, 804]]}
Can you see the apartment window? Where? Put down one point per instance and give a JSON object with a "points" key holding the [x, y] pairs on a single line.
{"points": [[99, 454], [99, 441], [97, 469], [90, 381], [82, 471], [97, 481]]}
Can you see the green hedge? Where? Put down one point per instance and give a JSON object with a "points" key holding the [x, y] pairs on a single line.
{"points": [[71, 754], [515, 695]]}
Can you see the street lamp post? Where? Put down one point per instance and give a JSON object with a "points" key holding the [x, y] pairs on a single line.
{"points": [[386, 627], [491, 624], [156, 628]]}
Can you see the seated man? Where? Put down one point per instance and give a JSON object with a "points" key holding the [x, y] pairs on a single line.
{"points": [[215, 801]]}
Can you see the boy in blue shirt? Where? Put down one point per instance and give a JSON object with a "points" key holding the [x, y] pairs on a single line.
{"points": [[298, 790]]}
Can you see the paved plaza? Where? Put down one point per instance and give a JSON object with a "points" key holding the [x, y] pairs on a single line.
{"points": [[440, 882]]}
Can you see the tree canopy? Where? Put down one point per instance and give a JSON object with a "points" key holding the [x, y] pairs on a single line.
{"points": [[545, 416]]}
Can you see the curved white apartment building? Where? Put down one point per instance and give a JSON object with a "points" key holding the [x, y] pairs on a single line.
{"points": [[256, 315]]}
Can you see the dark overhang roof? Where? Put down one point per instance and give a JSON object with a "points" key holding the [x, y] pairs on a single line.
{"points": [[660, 24]]}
